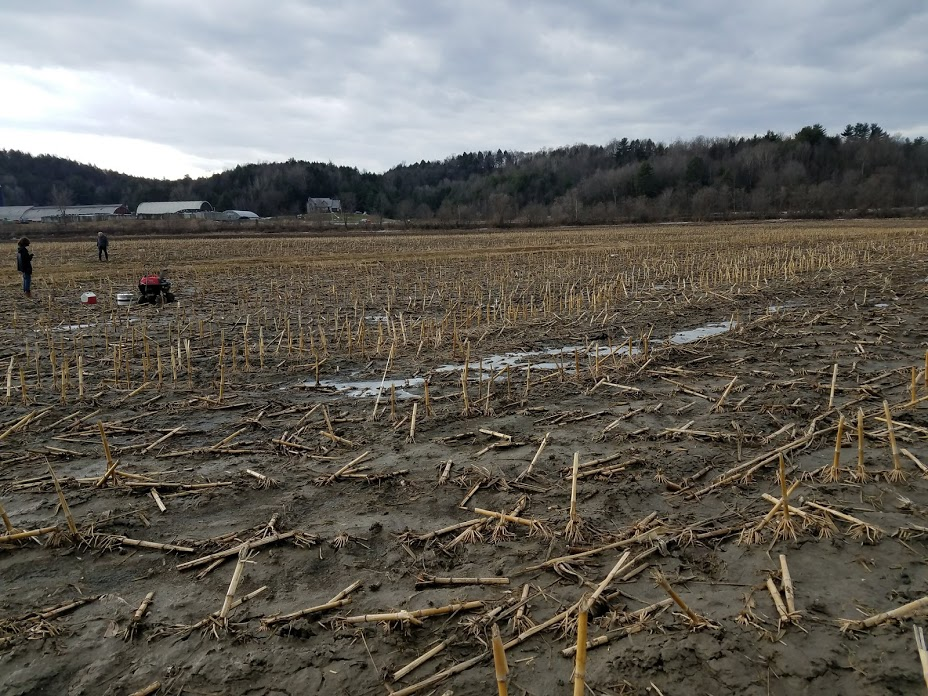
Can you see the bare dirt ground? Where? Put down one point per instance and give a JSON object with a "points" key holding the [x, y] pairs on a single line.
{"points": [[747, 342]]}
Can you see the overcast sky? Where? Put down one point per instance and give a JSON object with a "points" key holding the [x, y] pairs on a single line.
{"points": [[166, 88]]}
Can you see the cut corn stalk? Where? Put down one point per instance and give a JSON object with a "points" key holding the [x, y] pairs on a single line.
{"points": [[429, 580], [72, 527], [860, 473], [521, 621], [126, 541], [440, 676], [695, 619], [916, 608], [897, 474], [777, 601], [786, 529], [211, 619], [788, 592], [499, 662], [130, 631], [621, 564], [350, 465], [233, 586], [650, 535], [541, 447], [148, 690], [303, 613], [718, 404], [264, 481], [922, 651], [747, 468], [411, 438], [421, 660], [445, 472], [428, 536], [235, 550], [607, 638], [858, 528], [833, 473], [580, 661], [536, 526], [574, 532], [751, 535], [157, 499], [6, 520], [417, 614], [916, 461], [793, 510], [16, 536]]}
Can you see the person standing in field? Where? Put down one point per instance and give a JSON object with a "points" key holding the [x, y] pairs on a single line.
{"points": [[102, 247], [24, 265]]}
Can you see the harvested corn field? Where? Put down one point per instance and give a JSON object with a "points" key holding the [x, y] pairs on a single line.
{"points": [[427, 464]]}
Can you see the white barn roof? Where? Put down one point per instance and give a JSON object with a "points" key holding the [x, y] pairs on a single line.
{"points": [[44, 212], [106, 209], [171, 207], [240, 215], [13, 213]]}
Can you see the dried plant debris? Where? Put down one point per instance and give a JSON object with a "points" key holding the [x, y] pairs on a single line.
{"points": [[517, 447]]}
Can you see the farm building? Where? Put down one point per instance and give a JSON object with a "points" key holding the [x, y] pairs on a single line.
{"points": [[173, 208], [323, 205], [13, 213], [53, 213], [237, 215]]}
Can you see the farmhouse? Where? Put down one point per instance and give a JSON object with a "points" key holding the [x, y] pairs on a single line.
{"points": [[323, 205], [162, 209]]}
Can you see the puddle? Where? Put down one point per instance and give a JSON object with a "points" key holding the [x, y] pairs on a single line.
{"points": [[493, 366], [784, 306], [73, 327], [370, 388], [495, 363], [701, 332]]}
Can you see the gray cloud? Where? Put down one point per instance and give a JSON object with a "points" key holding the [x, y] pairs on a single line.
{"points": [[371, 83]]}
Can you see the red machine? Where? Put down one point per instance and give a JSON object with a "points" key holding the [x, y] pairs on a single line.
{"points": [[154, 289]]}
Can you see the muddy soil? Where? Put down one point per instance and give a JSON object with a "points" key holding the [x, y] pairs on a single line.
{"points": [[677, 444]]}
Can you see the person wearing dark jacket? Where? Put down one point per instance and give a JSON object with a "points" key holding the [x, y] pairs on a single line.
{"points": [[102, 247], [24, 265]]}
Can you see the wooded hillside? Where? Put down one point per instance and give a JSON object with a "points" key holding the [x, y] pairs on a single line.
{"points": [[862, 171]]}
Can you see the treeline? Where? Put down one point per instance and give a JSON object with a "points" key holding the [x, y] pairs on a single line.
{"points": [[862, 171]]}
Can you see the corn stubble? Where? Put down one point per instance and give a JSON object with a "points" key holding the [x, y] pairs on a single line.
{"points": [[445, 301]]}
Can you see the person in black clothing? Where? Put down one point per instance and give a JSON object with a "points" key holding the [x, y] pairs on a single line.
{"points": [[24, 265], [102, 247]]}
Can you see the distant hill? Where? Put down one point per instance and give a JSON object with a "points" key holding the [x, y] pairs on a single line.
{"points": [[808, 174]]}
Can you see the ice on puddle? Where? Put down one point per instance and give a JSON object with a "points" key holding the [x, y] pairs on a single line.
{"points": [[364, 388], [493, 366]]}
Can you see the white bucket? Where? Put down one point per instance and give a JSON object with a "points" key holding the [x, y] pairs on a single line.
{"points": [[124, 298]]}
